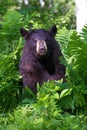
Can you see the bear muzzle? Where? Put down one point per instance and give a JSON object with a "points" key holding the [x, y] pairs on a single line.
{"points": [[41, 47]]}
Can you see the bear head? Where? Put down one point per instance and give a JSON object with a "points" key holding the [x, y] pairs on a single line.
{"points": [[40, 41]]}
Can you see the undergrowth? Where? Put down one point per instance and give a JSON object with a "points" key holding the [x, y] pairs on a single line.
{"points": [[58, 105]]}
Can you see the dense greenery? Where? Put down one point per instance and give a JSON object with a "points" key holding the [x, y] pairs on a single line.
{"points": [[58, 105]]}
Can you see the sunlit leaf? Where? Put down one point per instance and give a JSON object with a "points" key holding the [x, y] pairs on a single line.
{"points": [[56, 96], [65, 92]]}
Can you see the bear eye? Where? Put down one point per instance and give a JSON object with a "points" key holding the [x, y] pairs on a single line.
{"points": [[48, 40], [34, 40]]}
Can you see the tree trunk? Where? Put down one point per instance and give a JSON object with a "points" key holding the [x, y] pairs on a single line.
{"points": [[81, 14]]}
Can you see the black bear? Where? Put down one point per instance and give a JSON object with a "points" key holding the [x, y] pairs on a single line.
{"points": [[40, 59]]}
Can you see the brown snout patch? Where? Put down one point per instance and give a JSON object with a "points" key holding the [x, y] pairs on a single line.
{"points": [[41, 47]]}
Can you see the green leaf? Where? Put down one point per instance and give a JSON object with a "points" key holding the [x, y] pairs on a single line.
{"points": [[65, 92], [56, 96], [44, 97]]}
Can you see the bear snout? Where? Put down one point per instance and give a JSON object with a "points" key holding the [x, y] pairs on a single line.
{"points": [[41, 47]]}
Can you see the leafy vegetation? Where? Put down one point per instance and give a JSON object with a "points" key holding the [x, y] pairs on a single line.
{"points": [[58, 105]]}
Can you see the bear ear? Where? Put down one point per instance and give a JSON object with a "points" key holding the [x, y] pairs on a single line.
{"points": [[24, 32], [53, 30]]}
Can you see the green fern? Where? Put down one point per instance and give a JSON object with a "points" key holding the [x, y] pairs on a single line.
{"points": [[83, 34], [74, 48], [77, 51]]}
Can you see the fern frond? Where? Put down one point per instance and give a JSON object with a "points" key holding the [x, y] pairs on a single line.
{"points": [[77, 52], [83, 34]]}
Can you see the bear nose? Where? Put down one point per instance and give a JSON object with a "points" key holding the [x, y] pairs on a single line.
{"points": [[42, 48]]}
